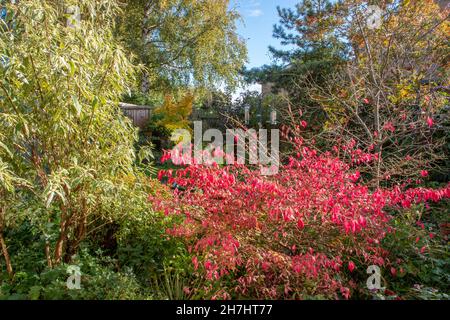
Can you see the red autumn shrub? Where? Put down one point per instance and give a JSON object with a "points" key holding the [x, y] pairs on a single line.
{"points": [[301, 232]]}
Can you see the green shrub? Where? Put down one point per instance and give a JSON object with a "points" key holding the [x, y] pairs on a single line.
{"points": [[100, 280], [420, 270]]}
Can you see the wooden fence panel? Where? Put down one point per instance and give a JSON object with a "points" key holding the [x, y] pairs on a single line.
{"points": [[140, 115]]}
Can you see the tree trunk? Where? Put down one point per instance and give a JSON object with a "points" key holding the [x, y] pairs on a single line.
{"points": [[3, 246], [59, 248], [145, 84], [6, 255], [48, 255], [60, 244]]}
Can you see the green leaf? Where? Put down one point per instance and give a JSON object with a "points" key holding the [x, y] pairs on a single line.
{"points": [[77, 105], [72, 68], [50, 199], [34, 292], [4, 147]]}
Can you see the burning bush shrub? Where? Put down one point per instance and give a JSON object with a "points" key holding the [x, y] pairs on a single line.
{"points": [[299, 233]]}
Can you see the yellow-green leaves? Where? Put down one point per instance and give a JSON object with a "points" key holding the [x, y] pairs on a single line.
{"points": [[6, 177], [4, 148], [175, 115], [72, 68], [76, 105], [60, 125]]}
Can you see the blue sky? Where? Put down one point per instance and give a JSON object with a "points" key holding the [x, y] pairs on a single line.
{"points": [[259, 16]]}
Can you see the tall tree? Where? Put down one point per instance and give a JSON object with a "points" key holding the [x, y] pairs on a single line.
{"points": [[311, 32], [389, 93], [312, 49], [183, 42]]}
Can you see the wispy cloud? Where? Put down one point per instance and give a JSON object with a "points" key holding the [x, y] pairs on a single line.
{"points": [[251, 8], [255, 12]]}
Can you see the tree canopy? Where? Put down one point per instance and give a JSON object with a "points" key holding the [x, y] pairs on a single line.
{"points": [[183, 43]]}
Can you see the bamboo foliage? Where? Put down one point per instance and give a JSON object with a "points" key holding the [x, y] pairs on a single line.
{"points": [[64, 144]]}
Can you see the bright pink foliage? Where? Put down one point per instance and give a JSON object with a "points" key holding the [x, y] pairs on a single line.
{"points": [[351, 266], [287, 235]]}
